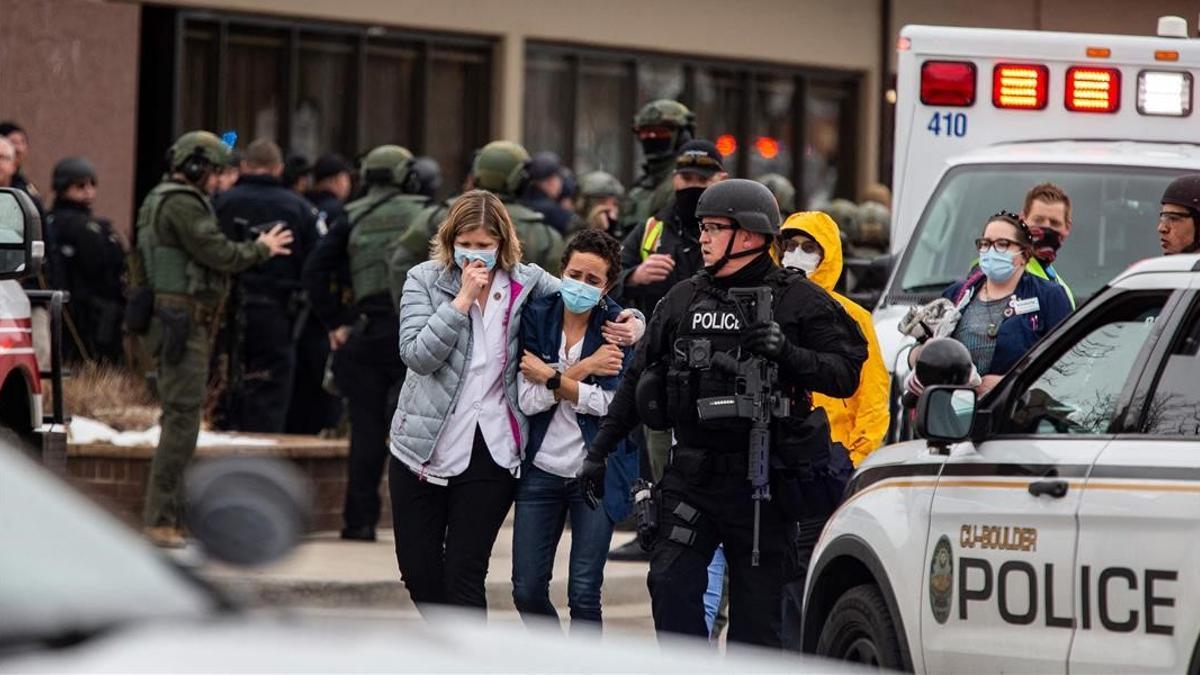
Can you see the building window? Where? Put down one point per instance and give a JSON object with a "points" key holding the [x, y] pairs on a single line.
{"points": [[580, 102], [325, 87]]}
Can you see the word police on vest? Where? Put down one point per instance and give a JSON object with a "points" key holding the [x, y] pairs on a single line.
{"points": [[723, 321]]}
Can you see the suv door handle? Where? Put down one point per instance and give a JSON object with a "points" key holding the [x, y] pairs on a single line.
{"points": [[1054, 487]]}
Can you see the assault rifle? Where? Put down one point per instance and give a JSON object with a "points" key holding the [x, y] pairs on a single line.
{"points": [[756, 398]]}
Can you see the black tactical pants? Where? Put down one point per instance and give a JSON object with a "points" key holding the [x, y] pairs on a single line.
{"points": [[700, 507], [368, 373], [269, 365], [312, 408]]}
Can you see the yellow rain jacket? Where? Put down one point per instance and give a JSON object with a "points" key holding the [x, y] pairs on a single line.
{"points": [[858, 422]]}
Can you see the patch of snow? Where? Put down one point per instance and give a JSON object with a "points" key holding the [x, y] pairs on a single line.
{"points": [[83, 430]]}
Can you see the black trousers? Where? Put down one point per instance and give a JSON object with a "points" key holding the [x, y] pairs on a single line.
{"points": [[368, 372], [312, 408], [269, 365], [445, 534], [697, 511]]}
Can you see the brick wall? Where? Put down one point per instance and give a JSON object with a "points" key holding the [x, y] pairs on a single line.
{"points": [[116, 477]]}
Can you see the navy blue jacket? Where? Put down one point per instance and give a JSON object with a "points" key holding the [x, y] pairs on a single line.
{"points": [[541, 334], [251, 207], [1019, 332]]}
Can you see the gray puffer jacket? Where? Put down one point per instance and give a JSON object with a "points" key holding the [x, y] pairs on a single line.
{"points": [[436, 343]]}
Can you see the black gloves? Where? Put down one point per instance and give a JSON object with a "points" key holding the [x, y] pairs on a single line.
{"points": [[591, 478], [766, 339]]}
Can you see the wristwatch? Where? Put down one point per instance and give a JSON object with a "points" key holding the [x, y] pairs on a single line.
{"points": [[554, 382]]}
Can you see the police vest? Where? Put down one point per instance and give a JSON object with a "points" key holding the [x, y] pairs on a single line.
{"points": [[651, 236], [712, 323], [160, 263], [377, 222]]}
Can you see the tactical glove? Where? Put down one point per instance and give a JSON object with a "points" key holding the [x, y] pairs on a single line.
{"points": [[767, 340], [591, 478]]}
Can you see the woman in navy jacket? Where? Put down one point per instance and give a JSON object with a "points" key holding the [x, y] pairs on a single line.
{"points": [[1004, 310], [568, 377]]}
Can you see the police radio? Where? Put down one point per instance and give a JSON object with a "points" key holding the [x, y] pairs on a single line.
{"points": [[756, 398]]}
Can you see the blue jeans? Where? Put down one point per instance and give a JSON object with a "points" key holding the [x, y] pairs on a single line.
{"points": [[543, 503], [715, 590]]}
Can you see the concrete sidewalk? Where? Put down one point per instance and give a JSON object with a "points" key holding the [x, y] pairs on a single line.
{"points": [[325, 574]]}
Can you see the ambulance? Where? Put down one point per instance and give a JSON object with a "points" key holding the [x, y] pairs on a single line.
{"points": [[22, 377], [1052, 526], [983, 115]]}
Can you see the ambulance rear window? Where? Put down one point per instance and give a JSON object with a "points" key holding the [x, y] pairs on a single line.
{"points": [[1114, 211]]}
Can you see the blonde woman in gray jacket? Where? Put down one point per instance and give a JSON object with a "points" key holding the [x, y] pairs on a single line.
{"points": [[458, 435]]}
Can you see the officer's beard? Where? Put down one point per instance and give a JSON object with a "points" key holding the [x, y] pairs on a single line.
{"points": [[685, 210]]}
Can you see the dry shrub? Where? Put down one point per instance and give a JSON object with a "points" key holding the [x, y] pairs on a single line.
{"points": [[113, 395]]}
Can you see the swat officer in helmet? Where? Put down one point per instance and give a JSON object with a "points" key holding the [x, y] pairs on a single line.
{"points": [[699, 329], [503, 167], [87, 259], [662, 127], [364, 335], [599, 203], [1179, 221], [178, 274]]}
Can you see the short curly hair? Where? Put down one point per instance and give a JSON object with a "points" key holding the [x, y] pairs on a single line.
{"points": [[596, 242]]}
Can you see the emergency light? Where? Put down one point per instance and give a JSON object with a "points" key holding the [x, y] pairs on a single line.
{"points": [[1022, 86], [1165, 93], [948, 83], [1093, 89]]}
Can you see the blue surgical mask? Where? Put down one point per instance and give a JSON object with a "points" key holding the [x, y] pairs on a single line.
{"points": [[464, 256], [578, 296], [996, 265]]}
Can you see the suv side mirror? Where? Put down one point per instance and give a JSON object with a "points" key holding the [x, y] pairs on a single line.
{"points": [[946, 413], [21, 247]]}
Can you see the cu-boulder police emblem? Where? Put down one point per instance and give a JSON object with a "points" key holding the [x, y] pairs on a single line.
{"points": [[941, 579]]}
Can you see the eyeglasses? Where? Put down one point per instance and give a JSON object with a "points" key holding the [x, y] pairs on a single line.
{"points": [[1002, 245], [806, 245], [711, 229], [1172, 217], [693, 158]]}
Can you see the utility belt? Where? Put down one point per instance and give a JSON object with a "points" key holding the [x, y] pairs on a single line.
{"points": [[199, 312]]}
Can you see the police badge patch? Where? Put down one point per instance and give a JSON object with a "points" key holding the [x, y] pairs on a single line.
{"points": [[941, 579]]}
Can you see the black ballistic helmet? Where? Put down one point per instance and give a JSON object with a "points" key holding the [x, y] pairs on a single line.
{"points": [[72, 170], [944, 361], [748, 203]]}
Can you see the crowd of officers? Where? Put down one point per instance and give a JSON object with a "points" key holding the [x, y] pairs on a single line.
{"points": [[267, 292]]}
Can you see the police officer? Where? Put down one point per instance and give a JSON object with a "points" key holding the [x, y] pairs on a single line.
{"points": [[1179, 220], [88, 260], [662, 127], [270, 294], [313, 409], [599, 203], [364, 336], [502, 167], [544, 189], [331, 185], [704, 497], [180, 273]]}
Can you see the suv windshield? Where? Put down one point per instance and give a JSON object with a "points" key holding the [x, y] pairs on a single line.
{"points": [[1114, 210], [69, 568]]}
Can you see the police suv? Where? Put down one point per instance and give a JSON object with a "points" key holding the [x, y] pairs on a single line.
{"points": [[1052, 526], [984, 115]]}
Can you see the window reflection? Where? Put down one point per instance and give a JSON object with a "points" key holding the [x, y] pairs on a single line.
{"points": [[601, 136], [772, 128], [822, 143], [323, 112], [254, 89], [1174, 408], [389, 91]]}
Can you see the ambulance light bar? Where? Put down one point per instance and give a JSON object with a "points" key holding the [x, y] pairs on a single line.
{"points": [[1166, 93], [1021, 86], [948, 83], [1093, 89]]}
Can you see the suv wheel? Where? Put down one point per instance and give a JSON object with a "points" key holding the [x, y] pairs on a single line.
{"points": [[860, 629]]}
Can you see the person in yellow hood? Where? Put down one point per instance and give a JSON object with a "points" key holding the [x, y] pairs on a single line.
{"points": [[812, 242]]}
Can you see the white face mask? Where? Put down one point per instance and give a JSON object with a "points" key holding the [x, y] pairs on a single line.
{"points": [[801, 260]]}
